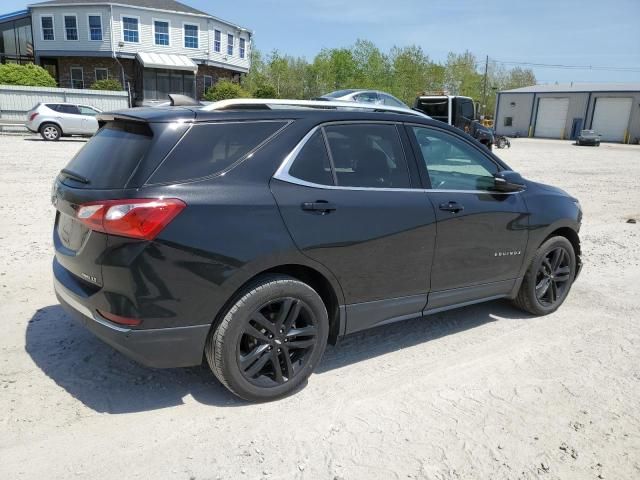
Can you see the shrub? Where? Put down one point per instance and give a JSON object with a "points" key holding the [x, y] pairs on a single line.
{"points": [[106, 84], [224, 90], [265, 91], [30, 75]]}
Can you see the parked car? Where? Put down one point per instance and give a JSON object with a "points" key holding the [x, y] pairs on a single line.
{"points": [[365, 96], [588, 137], [254, 236], [55, 120]]}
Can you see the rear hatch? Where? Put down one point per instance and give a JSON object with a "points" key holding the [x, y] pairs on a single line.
{"points": [[112, 165]]}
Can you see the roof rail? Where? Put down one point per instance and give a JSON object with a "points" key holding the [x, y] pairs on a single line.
{"points": [[279, 104]]}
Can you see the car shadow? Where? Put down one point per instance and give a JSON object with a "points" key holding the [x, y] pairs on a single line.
{"points": [[106, 381]]}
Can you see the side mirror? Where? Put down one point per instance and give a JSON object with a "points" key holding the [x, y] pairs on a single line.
{"points": [[508, 181]]}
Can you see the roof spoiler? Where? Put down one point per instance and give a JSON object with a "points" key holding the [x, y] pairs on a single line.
{"points": [[178, 100]]}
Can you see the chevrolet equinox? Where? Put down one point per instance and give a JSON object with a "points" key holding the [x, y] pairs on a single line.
{"points": [[251, 237]]}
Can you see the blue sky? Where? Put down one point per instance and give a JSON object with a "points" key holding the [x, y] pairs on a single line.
{"points": [[569, 32]]}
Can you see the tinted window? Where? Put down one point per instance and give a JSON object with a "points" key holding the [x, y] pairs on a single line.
{"points": [[452, 163], [312, 163], [112, 154], [208, 149], [368, 155], [67, 109]]}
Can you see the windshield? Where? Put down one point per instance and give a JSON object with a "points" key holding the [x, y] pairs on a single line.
{"points": [[588, 132]]}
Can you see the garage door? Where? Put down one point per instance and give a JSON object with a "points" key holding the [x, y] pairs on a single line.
{"points": [[552, 117], [611, 118]]}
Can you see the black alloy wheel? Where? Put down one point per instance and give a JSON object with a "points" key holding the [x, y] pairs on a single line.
{"points": [[276, 342], [270, 339], [549, 277], [553, 276]]}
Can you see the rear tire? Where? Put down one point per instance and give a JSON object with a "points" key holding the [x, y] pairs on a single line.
{"points": [[50, 132], [270, 340], [549, 277]]}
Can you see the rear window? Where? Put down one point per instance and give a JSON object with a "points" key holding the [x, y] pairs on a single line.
{"points": [[112, 155], [208, 149]]}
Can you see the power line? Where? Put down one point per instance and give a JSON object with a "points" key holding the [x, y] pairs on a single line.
{"points": [[570, 67]]}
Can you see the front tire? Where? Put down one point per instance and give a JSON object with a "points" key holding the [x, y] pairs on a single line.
{"points": [[270, 340], [549, 278], [50, 132]]}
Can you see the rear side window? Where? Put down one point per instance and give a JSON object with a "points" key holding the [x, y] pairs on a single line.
{"points": [[312, 163], [368, 155], [112, 154], [208, 149]]}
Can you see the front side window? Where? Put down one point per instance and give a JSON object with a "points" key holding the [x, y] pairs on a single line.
{"points": [[191, 36], [391, 101], [312, 162], [95, 27], [367, 97], [130, 29], [368, 155], [217, 39], [161, 32], [77, 77], [242, 47], [47, 28], [208, 149], [70, 27], [84, 110], [453, 164], [229, 44]]}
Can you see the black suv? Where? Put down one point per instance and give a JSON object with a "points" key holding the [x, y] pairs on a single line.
{"points": [[254, 236]]}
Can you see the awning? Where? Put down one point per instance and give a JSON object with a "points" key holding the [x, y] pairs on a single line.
{"points": [[165, 60]]}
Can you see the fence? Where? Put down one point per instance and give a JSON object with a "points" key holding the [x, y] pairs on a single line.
{"points": [[16, 101]]}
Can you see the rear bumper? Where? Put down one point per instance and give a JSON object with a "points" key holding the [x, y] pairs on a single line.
{"points": [[157, 348]]}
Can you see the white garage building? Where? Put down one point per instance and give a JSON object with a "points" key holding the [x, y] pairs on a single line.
{"points": [[562, 110]]}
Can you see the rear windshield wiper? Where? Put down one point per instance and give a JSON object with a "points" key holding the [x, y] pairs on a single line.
{"points": [[74, 176]]}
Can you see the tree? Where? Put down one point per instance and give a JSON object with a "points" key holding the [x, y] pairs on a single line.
{"points": [[265, 91], [29, 75], [106, 84], [461, 75], [224, 90]]}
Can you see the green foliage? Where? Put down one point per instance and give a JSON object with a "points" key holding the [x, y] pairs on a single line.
{"points": [[403, 72], [265, 91], [224, 90], [106, 84], [29, 75]]}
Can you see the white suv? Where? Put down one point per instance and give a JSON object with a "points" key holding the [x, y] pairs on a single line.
{"points": [[54, 120]]}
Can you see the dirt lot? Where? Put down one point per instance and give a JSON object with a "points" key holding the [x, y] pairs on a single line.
{"points": [[483, 392]]}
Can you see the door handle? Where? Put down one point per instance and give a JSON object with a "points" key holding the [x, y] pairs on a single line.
{"points": [[319, 206], [453, 207]]}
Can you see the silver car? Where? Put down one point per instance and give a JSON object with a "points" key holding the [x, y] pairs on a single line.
{"points": [[364, 96], [55, 120]]}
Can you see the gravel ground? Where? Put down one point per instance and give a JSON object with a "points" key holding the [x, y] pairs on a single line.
{"points": [[482, 392]]}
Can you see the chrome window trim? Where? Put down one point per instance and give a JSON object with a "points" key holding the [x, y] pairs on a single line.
{"points": [[282, 173]]}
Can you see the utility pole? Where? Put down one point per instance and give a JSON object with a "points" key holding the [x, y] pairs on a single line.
{"points": [[484, 85]]}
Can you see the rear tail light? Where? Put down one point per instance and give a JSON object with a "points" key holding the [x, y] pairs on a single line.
{"points": [[32, 116], [136, 218], [132, 322]]}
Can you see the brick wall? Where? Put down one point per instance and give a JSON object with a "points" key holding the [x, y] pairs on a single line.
{"points": [[132, 72], [215, 73], [88, 64]]}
